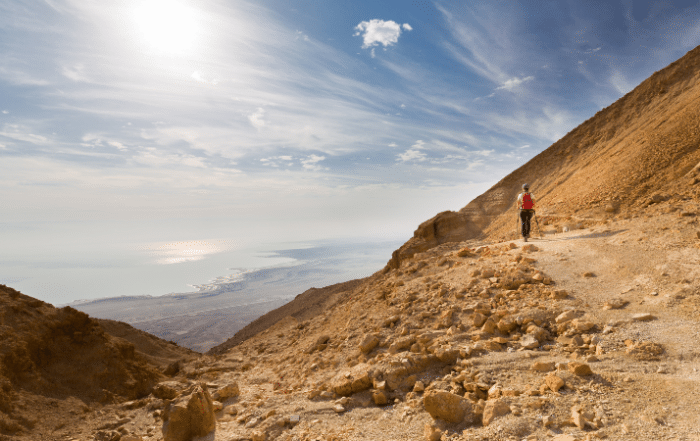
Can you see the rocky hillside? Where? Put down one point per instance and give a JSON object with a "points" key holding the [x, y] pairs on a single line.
{"points": [[638, 147], [59, 362]]}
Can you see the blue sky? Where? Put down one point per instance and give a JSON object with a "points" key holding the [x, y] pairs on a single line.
{"points": [[298, 120]]}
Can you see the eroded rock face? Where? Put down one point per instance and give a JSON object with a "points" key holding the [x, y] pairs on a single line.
{"points": [[190, 415], [448, 226]]}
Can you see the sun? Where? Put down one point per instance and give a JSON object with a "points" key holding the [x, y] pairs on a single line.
{"points": [[167, 26]]}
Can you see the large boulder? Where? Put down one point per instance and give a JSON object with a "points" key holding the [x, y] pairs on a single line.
{"points": [[449, 407], [190, 415], [348, 383]]}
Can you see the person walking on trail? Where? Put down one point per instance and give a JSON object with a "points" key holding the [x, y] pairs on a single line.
{"points": [[526, 205]]}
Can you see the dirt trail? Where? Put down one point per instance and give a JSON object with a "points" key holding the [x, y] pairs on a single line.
{"points": [[652, 264]]}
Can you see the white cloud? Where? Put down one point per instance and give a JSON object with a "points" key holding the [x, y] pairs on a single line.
{"points": [[5, 112], [22, 133], [411, 155], [376, 32], [403, 106], [414, 153], [256, 119], [311, 162], [393, 144], [514, 82], [407, 27]]}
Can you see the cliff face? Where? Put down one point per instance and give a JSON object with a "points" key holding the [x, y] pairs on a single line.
{"points": [[638, 147]]}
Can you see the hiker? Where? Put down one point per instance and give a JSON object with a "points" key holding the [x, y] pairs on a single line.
{"points": [[526, 205]]}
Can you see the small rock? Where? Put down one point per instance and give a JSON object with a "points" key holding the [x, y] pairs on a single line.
{"points": [[418, 386], [294, 420], [564, 437], [339, 408], [615, 304], [554, 382], [494, 409], [368, 343], [566, 316], [541, 366], [228, 391], [580, 369], [643, 317], [449, 407], [582, 325], [379, 398], [529, 342], [577, 417], [547, 420]]}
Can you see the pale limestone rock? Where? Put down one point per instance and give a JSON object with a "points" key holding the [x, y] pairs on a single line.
{"points": [[582, 325], [347, 383], [190, 415], [506, 325], [369, 342], [554, 382], [566, 316], [449, 407], [643, 317], [493, 410], [541, 366], [580, 369], [489, 326], [529, 342], [258, 435], [577, 417], [131, 438], [228, 391], [615, 304], [419, 386], [339, 408], [478, 319]]}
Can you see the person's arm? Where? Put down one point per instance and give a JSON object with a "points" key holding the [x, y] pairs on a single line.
{"points": [[520, 200]]}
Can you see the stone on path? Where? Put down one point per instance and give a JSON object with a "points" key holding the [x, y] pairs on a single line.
{"points": [[554, 382], [541, 366], [190, 415], [529, 342], [580, 369], [643, 317], [615, 304]]}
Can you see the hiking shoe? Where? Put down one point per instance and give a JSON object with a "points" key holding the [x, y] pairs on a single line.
{"points": [[525, 238]]}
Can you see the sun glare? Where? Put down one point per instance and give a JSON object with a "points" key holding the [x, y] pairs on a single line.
{"points": [[167, 26]]}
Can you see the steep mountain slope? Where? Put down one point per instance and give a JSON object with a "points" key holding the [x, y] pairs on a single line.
{"points": [[639, 146]]}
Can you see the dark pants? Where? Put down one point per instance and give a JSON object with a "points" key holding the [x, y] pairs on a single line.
{"points": [[525, 217]]}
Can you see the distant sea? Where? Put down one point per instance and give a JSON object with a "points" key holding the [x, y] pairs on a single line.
{"points": [[188, 267]]}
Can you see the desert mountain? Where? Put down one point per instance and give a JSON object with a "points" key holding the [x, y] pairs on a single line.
{"points": [[639, 147], [584, 334]]}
